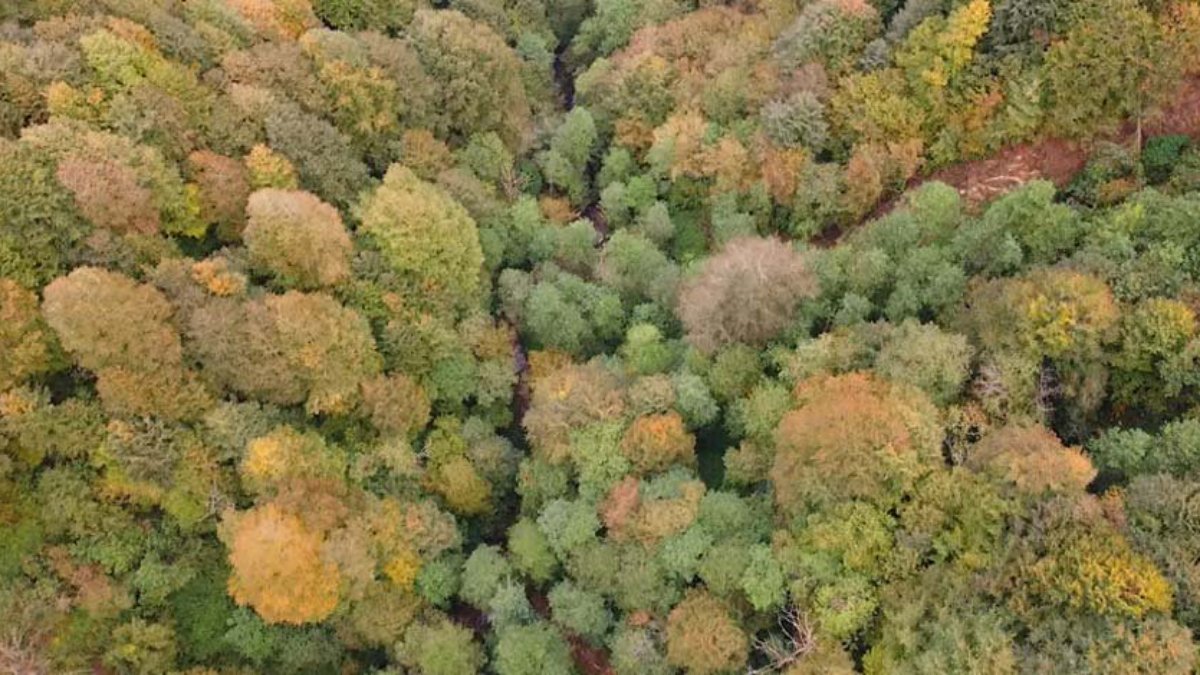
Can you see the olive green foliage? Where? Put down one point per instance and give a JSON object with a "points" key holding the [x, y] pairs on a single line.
{"points": [[566, 161], [1130, 67], [366, 14], [535, 648], [479, 76], [427, 238], [440, 648]]}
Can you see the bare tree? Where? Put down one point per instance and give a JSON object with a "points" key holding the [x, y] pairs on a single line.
{"points": [[795, 640]]}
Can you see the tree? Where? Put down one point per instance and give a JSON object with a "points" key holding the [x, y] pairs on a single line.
{"points": [[1046, 230], [798, 121], [479, 76], [631, 264], [829, 32], [1074, 563], [324, 159], [440, 647], [1022, 24], [381, 15], [1114, 63], [580, 611], [271, 461], [853, 437], [224, 185], [935, 623], [657, 442], [1158, 508], [566, 161], [108, 194], [1033, 459], [282, 20], [41, 226], [395, 404], [1175, 449], [1048, 312], [939, 49], [427, 238], [703, 637], [530, 551], [89, 160], [121, 330], [277, 567], [928, 358], [1153, 333], [297, 238], [286, 349], [142, 648], [748, 292], [612, 23], [639, 651], [534, 649], [266, 168], [25, 339]]}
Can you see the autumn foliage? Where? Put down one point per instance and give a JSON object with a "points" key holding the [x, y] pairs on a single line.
{"points": [[613, 337], [747, 293], [277, 567]]}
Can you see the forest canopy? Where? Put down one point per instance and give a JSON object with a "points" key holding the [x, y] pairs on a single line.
{"points": [[599, 337]]}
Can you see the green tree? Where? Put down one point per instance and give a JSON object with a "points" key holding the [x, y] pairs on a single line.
{"points": [[535, 649], [379, 15], [1114, 63], [427, 238], [478, 75], [566, 161], [580, 611], [440, 647]]}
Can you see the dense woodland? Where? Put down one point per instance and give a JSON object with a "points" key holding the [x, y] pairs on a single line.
{"points": [[609, 337]]}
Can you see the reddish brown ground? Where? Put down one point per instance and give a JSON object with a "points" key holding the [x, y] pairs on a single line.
{"points": [[590, 660], [1053, 159]]}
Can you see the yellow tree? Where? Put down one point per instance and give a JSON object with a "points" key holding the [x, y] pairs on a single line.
{"points": [[853, 437], [277, 567]]}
